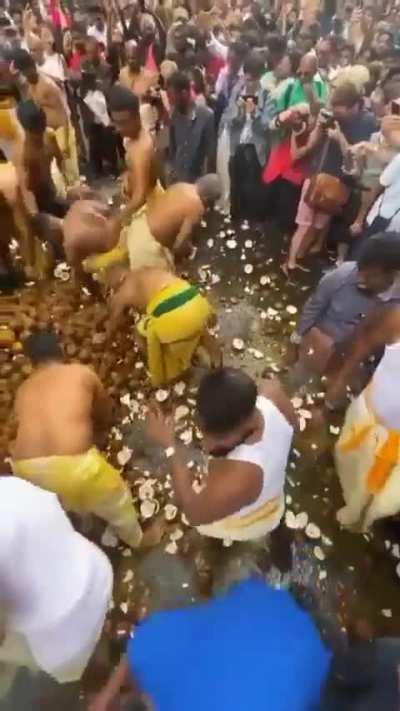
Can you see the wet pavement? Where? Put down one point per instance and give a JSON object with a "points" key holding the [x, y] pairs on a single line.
{"points": [[345, 578]]}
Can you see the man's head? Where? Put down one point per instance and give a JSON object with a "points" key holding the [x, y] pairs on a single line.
{"points": [[93, 50], [226, 405], [379, 263], [25, 64], [43, 347], [32, 118], [36, 48], [180, 38], [346, 55], [148, 28], [87, 229], [383, 44], [345, 102], [179, 92], [132, 55], [236, 56], [254, 67], [324, 53], [307, 68], [123, 106], [209, 189]]}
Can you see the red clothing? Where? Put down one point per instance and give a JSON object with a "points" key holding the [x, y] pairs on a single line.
{"points": [[75, 60], [214, 66]]}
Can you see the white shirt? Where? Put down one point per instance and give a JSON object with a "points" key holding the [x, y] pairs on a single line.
{"points": [[99, 35], [388, 204], [270, 453], [55, 585], [53, 67], [96, 101]]}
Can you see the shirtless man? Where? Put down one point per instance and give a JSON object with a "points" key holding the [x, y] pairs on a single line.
{"points": [[89, 229], [142, 164], [46, 94], [60, 410], [175, 320], [133, 76], [33, 159]]}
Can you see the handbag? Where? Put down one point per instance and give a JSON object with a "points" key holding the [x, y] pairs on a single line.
{"points": [[326, 193]]}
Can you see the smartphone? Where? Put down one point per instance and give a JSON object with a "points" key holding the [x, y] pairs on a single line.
{"points": [[395, 108]]}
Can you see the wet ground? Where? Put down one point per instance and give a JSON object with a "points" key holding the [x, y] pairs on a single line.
{"points": [[345, 578]]}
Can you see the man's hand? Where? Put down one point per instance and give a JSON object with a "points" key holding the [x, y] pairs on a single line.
{"points": [[356, 228], [250, 106], [335, 393], [159, 427], [101, 702], [335, 134]]}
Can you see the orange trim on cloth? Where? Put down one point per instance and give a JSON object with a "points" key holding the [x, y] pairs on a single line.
{"points": [[386, 457]]}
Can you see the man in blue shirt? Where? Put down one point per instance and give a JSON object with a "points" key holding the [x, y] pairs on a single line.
{"points": [[251, 648]]}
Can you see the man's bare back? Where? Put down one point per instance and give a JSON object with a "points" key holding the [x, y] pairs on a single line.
{"points": [[48, 96], [167, 213], [56, 410], [143, 168]]}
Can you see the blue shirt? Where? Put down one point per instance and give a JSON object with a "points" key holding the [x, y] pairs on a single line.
{"points": [[253, 649]]}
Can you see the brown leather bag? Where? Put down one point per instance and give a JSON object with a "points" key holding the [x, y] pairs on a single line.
{"points": [[326, 193]]}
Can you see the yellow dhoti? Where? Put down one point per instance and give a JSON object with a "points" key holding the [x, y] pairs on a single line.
{"points": [[136, 246], [175, 321], [250, 527], [86, 483], [66, 140], [368, 464], [10, 129]]}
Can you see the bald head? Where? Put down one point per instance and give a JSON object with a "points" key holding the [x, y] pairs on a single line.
{"points": [[308, 67], [87, 229], [209, 188]]}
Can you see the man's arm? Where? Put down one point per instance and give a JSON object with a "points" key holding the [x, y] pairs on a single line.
{"points": [[56, 152], [27, 195], [230, 484], [139, 180], [378, 330], [318, 303], [272, 389], [102, 411], [211, 145], [112, 690], [184, 233]]}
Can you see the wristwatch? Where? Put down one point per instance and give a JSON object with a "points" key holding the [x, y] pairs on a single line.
{"points": [[169, 452]]}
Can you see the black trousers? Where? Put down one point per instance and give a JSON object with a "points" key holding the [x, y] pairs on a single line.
{"points": [[103, 148], [248, 193], [282, 201]]}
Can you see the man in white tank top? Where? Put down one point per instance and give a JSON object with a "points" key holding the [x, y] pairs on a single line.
{"points": [[248, 432], [55, 586], [368, 450]]}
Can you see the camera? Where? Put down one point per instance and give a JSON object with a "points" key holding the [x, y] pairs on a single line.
{"points": [[327, 118]]}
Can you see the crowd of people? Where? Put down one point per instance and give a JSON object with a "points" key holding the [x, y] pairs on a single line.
{"points": [[285, 118]]}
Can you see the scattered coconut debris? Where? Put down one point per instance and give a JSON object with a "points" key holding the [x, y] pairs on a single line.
{"points": [[387, 613], [171, 548], [162, 395], [170, 512], [238, 344], [109, 539], [319, 553], [312, 531], [124, 455]]}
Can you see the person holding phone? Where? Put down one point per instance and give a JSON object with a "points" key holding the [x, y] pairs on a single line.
{"points": [[247, 118]]}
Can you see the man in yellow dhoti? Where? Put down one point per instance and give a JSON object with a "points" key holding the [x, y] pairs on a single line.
{"points": [[248, 432], [46, 94], [175, 320], [60, 409], [368, 450]]}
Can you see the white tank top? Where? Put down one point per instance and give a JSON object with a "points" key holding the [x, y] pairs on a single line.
{"points": [[384, 395], [270, 453], [54, 584]]}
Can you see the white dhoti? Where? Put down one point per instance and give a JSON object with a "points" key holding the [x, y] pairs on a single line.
{"points": [[368, 464]]}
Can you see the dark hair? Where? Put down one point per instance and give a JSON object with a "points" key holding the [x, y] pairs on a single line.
{"points": [[42, 346], [254, 65], [22, 60], [225, 399], [239, 49], [179, 82], [121, 99], [294, 57], [382, 251], [31, 116], [345, 95], [347, 47]]}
